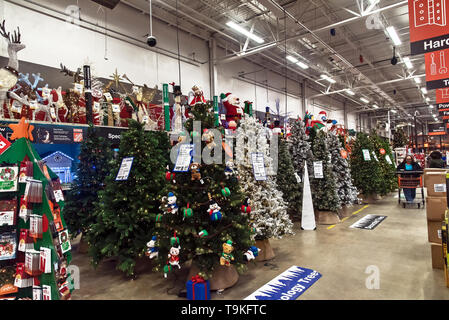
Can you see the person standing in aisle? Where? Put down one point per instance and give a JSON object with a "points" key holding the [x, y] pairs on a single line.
{"points": [[436, 160], [409, 164]]}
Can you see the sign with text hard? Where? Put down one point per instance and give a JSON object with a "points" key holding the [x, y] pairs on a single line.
{"points": [[429, 25], [437, 71]]}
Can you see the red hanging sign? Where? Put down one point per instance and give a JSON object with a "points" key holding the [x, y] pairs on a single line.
{"points": [[429, 25], [437, 69], [442, 96]]}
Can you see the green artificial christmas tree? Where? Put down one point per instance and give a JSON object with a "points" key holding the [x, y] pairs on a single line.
{"points": [[94, 166], [33, 234], [400, 139], [288, 180], [346, 190], [387, 169], [325, 197], [300, 147], [125, 207], [202, 211], [365, 170]]}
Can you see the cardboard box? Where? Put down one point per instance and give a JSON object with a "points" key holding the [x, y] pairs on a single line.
{"points": [[434, 231], [435, 208], [437, 255], [435, 182]]}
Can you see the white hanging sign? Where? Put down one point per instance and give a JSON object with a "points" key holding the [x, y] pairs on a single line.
{"points": [[125, 169], [108, 96], [258, 166], [318, 169], [116, 108], [184, 158], [79, 88], [374, 155], [387, 157], [366, 155], [298, 178], [96, 107]]}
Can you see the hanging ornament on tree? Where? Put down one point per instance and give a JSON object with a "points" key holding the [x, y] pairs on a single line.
{"points": [[214, 211], [229, 170], [167, 268], [382, 151], [171, 203], [152, 250], [187, 212], [252, 253], [226, 256], [195, 171], [344, 153], [225, 190], [173, 256], [203, 233], [170, 176], [245, 206]]}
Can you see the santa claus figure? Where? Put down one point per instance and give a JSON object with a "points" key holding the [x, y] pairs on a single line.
{"points": [[196, 96], [233, 110]]}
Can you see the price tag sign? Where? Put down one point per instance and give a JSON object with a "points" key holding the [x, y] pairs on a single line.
{"points": [[184, 158], [366, 155], [33, 104], [96, 107], [16, 106], [258, 166], [318, 169], [375, 157], [298, 178], [79, 87], [125, 169], [116, 108], [108, 96], [387, 157]]}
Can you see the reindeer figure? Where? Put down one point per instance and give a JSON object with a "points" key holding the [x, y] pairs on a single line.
{"points": [[9, 74], [59, 105]]}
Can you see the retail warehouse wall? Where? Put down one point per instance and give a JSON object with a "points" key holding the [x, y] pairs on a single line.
{"points": [[51, 40]]}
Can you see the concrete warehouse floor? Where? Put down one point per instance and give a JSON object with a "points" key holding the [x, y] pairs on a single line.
{"points": [[398, 247]]}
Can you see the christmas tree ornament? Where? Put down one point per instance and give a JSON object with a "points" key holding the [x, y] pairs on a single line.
{"points": [[225, 191], [208, 137], [226, 256], [26, 170], [252, 253], [167, 268], [173, 255], [187, 212], [245, 208], [196, 96], [229, 170], [214, 211], [152, 250], [170, 176], [171, 203], [195, 171], [203, 233], [382, 151]]}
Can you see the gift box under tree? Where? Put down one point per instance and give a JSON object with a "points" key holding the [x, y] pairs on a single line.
{"points": [[198, 289]]}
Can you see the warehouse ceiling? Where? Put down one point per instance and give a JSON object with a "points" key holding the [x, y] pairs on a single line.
{"points": [[344, 41]]}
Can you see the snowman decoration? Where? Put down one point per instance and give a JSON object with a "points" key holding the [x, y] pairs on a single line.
{"points": [[173, 256], [171, 203], [152, 250], [229, 170]]}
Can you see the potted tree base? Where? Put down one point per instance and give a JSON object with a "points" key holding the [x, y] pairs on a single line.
{"points": [[266, 251], [369, 199], [222, 278], [345, 211], [327, 217]]}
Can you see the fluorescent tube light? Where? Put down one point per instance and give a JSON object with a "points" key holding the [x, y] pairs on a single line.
{"points": [[364, 100], [424, 90], [326, 77], [394, 36], [302, 65], [407, 62], [350, 92], [292, 59], [394, 111], [375, 106], [431, 106], [417, 80], [245, 32]]}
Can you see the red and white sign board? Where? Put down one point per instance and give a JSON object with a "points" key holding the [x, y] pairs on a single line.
{"points": [[437, 69], [429, 25], [442, 96], [4, 144], [77, 135]]}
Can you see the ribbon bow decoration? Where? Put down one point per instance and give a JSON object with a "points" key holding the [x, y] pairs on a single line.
{"points": [[198, 279]]}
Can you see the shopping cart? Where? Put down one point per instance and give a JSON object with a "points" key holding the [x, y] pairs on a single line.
{"points": [[411, 180]]}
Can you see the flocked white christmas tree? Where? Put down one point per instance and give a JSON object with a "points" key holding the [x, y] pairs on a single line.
{"points": [[346, 190], [300, 147], [268, 215]]}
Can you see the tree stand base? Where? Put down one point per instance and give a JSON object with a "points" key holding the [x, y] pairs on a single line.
{"points": [[266, 252], [327, 217], [369, 199], [222, 278], [345, 211]]}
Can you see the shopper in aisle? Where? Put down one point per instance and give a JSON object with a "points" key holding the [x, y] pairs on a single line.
{"points": [[409, 164], [436, 160]]}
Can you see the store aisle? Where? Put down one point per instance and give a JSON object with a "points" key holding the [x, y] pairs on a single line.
{"points": [[398, 247]]}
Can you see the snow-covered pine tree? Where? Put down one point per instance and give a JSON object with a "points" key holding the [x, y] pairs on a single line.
{"points": [[268, 209], [346, 190], [300, 147]]}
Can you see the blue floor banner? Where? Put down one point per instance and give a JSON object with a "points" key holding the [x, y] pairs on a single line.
{"points": [[289, 285]]}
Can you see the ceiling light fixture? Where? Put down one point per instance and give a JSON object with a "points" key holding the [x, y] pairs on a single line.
{"points": [[431, 106], [424, 90], [350, 92], [364, 100], [375, 106], [407, 62], [394, 111], [417, 80], [292, 59], [302, 65], [245, 32], [394, 36], [326, 77]]}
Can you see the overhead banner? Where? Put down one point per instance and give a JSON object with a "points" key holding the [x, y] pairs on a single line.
{"points": [[437, 71], [437, 129], [428, 25], [442, 97]]}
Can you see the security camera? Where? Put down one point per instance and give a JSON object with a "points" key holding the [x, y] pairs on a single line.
{"points": [[151, 41]]}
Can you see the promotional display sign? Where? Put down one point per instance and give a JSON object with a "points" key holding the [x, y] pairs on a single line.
{"points": [[289, 285], [436, 129], [125, 169], [428, 25], [184, 158], [442, 99], [318, 169], [437, 71], [366, 155], [258, 166]]}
